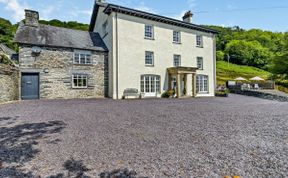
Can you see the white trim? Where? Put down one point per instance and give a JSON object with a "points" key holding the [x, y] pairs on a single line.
{"points": [[84, 77]]}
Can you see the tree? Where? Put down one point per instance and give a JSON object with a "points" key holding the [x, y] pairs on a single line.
{"points": [[220, 55], [250, 53]]}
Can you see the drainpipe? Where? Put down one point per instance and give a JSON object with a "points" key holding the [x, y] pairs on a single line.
{"points": [[214, 62], [117, 57]]}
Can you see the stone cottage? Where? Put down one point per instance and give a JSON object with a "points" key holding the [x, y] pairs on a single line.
{"points": [[58, 62]]}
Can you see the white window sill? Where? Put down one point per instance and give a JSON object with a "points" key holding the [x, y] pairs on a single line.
{"points": [[149, 38]]}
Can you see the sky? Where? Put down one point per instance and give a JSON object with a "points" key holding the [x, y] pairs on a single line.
{"points": [[263, 14]]}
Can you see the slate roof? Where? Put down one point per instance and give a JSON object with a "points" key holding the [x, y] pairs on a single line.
{"points": [[146, 15], [46, 35], [7, 50], [10, 52]]}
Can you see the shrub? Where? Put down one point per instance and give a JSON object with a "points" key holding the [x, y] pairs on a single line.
{"points": [[5, 60], [168, 94]]}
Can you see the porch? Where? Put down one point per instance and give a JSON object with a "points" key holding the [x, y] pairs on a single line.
{"points": [[177, 80]]}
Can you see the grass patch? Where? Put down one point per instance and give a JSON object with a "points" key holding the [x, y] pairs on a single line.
{"points": [[225, 72]]}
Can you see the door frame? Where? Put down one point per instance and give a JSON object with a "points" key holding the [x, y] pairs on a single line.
{"points": [[21, 79]]}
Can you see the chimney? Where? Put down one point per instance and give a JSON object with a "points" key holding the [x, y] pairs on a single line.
{"points": [[188, 17], [31, 18]]}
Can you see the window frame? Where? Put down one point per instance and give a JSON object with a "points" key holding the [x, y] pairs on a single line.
{"points": [[149, 32], [174, 57], [202, 83], [152, 58], [201, 41], [144, 83], [202, 63], [178, 37], [79, 77], [79, 54]]}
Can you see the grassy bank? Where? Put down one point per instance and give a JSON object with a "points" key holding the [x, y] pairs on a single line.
{"points": [[229, 72]]}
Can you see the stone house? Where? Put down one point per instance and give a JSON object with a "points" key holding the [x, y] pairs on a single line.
{"points": [[57, 62], [153, 53]]}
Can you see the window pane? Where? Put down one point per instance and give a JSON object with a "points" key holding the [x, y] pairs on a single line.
{"points": [[149, 58], [199, 62], [142, 84], [177, 60], [76, 58], [82, 58], [158, 84], [176, 36], [152, 78], [88, 59], [199, 40], [147, 84], [149, 31]]}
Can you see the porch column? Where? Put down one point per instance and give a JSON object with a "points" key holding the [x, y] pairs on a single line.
{"points": [[194, 85], [178, 85], [169, 81]]}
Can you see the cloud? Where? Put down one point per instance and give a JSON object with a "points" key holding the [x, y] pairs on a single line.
{"points": [[16, 8], [191, 3], [179, 16], [145, 8]]}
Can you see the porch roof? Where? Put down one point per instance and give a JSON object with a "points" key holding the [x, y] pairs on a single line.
{"points": [[182, 70]]}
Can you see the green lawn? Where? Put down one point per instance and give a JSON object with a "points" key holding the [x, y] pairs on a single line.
{"points": [[229, 72]]}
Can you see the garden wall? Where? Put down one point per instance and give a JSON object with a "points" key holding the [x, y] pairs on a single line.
{"points": [[9, 83]]}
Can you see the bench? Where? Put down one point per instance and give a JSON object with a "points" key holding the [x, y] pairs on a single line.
{"points": [[129, 92]]}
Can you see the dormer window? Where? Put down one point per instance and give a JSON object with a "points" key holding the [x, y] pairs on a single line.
{"points": [[82, 57]]}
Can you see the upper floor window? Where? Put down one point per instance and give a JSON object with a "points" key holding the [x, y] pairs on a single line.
{"points": [[176, 37], [202, 83], [149, 31], [200, 63], [149, 58], [177, 61], [199, 41], [79, 81], [82, 57]]}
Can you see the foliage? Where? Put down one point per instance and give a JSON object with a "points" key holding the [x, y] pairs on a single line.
{"points": [[230, 71], [220, 55], [268, 44], [168, 94], [7, 31], [5, 60], [250, 53], [71, 24]]}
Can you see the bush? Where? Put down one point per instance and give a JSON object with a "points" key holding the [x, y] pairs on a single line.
{"points": [[5, 60], [168, 94]]}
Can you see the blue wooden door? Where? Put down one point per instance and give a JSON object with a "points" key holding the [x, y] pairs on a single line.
{"points": [[30, 86]]}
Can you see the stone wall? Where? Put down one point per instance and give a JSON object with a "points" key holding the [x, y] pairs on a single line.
{"points": [[55, 66], [9, 83], [260, 94]]}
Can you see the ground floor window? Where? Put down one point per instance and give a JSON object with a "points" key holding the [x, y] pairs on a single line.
{"points": [[150, 84], [202, 84], [79, 81]]}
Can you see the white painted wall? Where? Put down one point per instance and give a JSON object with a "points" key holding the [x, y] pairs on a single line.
{"points": [[132, 47]]}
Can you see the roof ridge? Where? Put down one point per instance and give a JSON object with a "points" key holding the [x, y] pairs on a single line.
{"points": [[198, 27]]}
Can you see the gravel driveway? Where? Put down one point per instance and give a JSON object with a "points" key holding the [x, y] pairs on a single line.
{"points": [[201, 137]]}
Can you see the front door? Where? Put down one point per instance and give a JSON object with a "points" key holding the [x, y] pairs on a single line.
{"points": [[30, 86]]}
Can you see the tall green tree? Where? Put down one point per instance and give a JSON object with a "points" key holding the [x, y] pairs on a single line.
{"points": [[250, 53]]}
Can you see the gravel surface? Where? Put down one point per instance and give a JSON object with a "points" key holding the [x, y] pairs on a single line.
{"points": [[201, 137]]}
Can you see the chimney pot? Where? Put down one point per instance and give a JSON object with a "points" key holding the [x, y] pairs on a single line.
{"points": [[31, 18], [188, 17]]}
